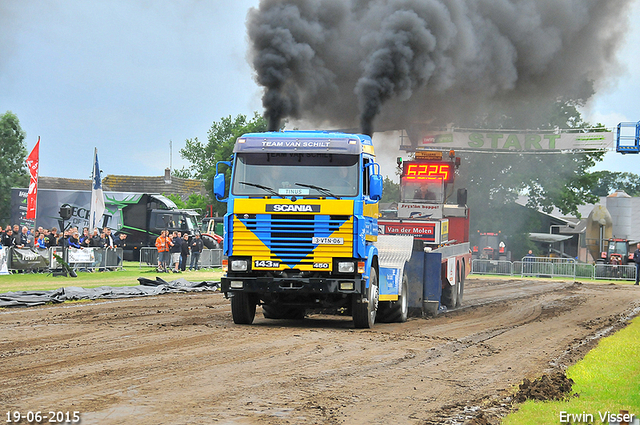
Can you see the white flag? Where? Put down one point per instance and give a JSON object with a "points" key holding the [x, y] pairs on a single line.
{"points": [[97, 197]]}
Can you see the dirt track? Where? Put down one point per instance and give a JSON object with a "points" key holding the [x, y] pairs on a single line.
{"points": [[179, 359]]}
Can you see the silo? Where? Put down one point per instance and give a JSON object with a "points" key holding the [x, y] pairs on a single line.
{"points": [[619, 206]]}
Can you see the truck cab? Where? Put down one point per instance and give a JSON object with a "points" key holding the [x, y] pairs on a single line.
{"points": [[301, 224]]}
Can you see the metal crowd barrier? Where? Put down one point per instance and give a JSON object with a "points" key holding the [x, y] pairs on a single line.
{"points": [[553, 267], [209, 258], [41, 260], [492, 267]]}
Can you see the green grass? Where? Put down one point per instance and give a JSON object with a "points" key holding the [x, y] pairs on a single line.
{"points": [[607, 379], [126, 277]]}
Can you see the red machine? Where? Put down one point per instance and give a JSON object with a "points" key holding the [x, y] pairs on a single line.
{"points": [[424, 212], [490, 247], [617, 252]]}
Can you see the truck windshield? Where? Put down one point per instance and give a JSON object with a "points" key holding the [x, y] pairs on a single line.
{"points": [[423, 191], [285, 174], [176, 221]]}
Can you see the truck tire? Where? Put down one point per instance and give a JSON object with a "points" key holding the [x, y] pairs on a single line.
{"points": [[243, 308], [364, 314], [396, 311], [209, 242], [461, 286], [450, 293], [278, 311]]}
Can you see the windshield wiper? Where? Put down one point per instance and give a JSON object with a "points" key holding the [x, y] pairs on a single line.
{"points": [[265, 188], [318, 188]]}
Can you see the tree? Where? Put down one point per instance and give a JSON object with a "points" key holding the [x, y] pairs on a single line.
{"points": [[219, 147], [13, 154], [608, 182], [195, 201], [390, 191]]}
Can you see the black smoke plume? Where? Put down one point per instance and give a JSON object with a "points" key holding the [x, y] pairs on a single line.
{"points": [[400, 61]]}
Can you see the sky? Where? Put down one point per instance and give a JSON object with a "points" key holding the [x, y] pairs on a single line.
{"points": [[133, 78]]}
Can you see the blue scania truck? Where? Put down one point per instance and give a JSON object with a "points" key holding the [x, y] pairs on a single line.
{"points": [[301, 230]]}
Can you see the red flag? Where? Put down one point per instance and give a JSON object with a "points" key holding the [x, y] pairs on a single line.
{"points": [[32, 196]]}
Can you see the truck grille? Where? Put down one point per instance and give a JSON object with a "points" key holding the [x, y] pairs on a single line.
{"points": [[289, 237]]}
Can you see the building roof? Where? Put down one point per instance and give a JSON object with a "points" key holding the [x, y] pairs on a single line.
{"points": [[139, 184], [154, 184], [45, 182]]}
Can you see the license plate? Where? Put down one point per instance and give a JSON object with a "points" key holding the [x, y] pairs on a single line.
{"points": [[265, 264], [328, 241]]}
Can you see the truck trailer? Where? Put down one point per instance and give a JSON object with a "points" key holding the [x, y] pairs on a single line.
{"points": [[301, 233]]}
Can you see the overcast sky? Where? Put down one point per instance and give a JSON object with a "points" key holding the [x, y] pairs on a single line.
{"points": [[128, 77]]}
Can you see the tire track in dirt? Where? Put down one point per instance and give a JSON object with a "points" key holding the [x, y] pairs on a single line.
{"points": [[179, 358]]}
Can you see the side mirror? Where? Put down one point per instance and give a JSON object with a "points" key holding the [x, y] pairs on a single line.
{"points": [[375, 187], [219, 186]]}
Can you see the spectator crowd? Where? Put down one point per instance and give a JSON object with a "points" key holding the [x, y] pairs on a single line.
{"points": [[14, 236], [174, 249], [42, 239]]}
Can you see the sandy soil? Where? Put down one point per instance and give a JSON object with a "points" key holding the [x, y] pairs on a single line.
{"points": [[179, 359]]}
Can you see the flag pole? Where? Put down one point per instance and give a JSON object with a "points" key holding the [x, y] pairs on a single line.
{"points": [[35, 219]]}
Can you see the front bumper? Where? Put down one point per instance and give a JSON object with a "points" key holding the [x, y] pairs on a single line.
{"points": [[270, 285]]}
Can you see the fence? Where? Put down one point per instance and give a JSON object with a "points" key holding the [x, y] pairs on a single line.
{"points": [[44, 260], [209, 258], [553, 267]]}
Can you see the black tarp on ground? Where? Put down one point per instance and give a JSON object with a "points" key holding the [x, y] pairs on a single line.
{"points": [[147, 287]]}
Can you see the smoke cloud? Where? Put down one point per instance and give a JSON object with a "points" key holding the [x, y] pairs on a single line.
{"points": [[392, 62]]}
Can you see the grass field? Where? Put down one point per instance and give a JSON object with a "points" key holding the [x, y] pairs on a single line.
{"points": [[607, 381], [126, 277]]}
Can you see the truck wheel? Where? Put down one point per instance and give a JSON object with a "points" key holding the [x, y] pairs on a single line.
{"points": [[396, 311], [209, 242], [278, 311], [460, 287], [450, 294], [364, 314], [243, 308]]}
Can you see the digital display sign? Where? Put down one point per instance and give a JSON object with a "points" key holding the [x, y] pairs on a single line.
{"points": [[423, 170]]}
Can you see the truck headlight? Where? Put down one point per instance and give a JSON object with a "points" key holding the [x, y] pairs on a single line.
{"points": [[346, 267], [239, 265]]}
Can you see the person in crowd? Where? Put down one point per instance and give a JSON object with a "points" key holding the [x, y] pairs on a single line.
{"points": [[528, 262], [21, 240], [85, 239], [184, 252], [40, 242], [97, 243], [73, 241], [109, 242], [636, 259], [50, 237], [26, 239], [196, 248], [9, 240], [121, 240], [162, 245], [175, 250]]}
